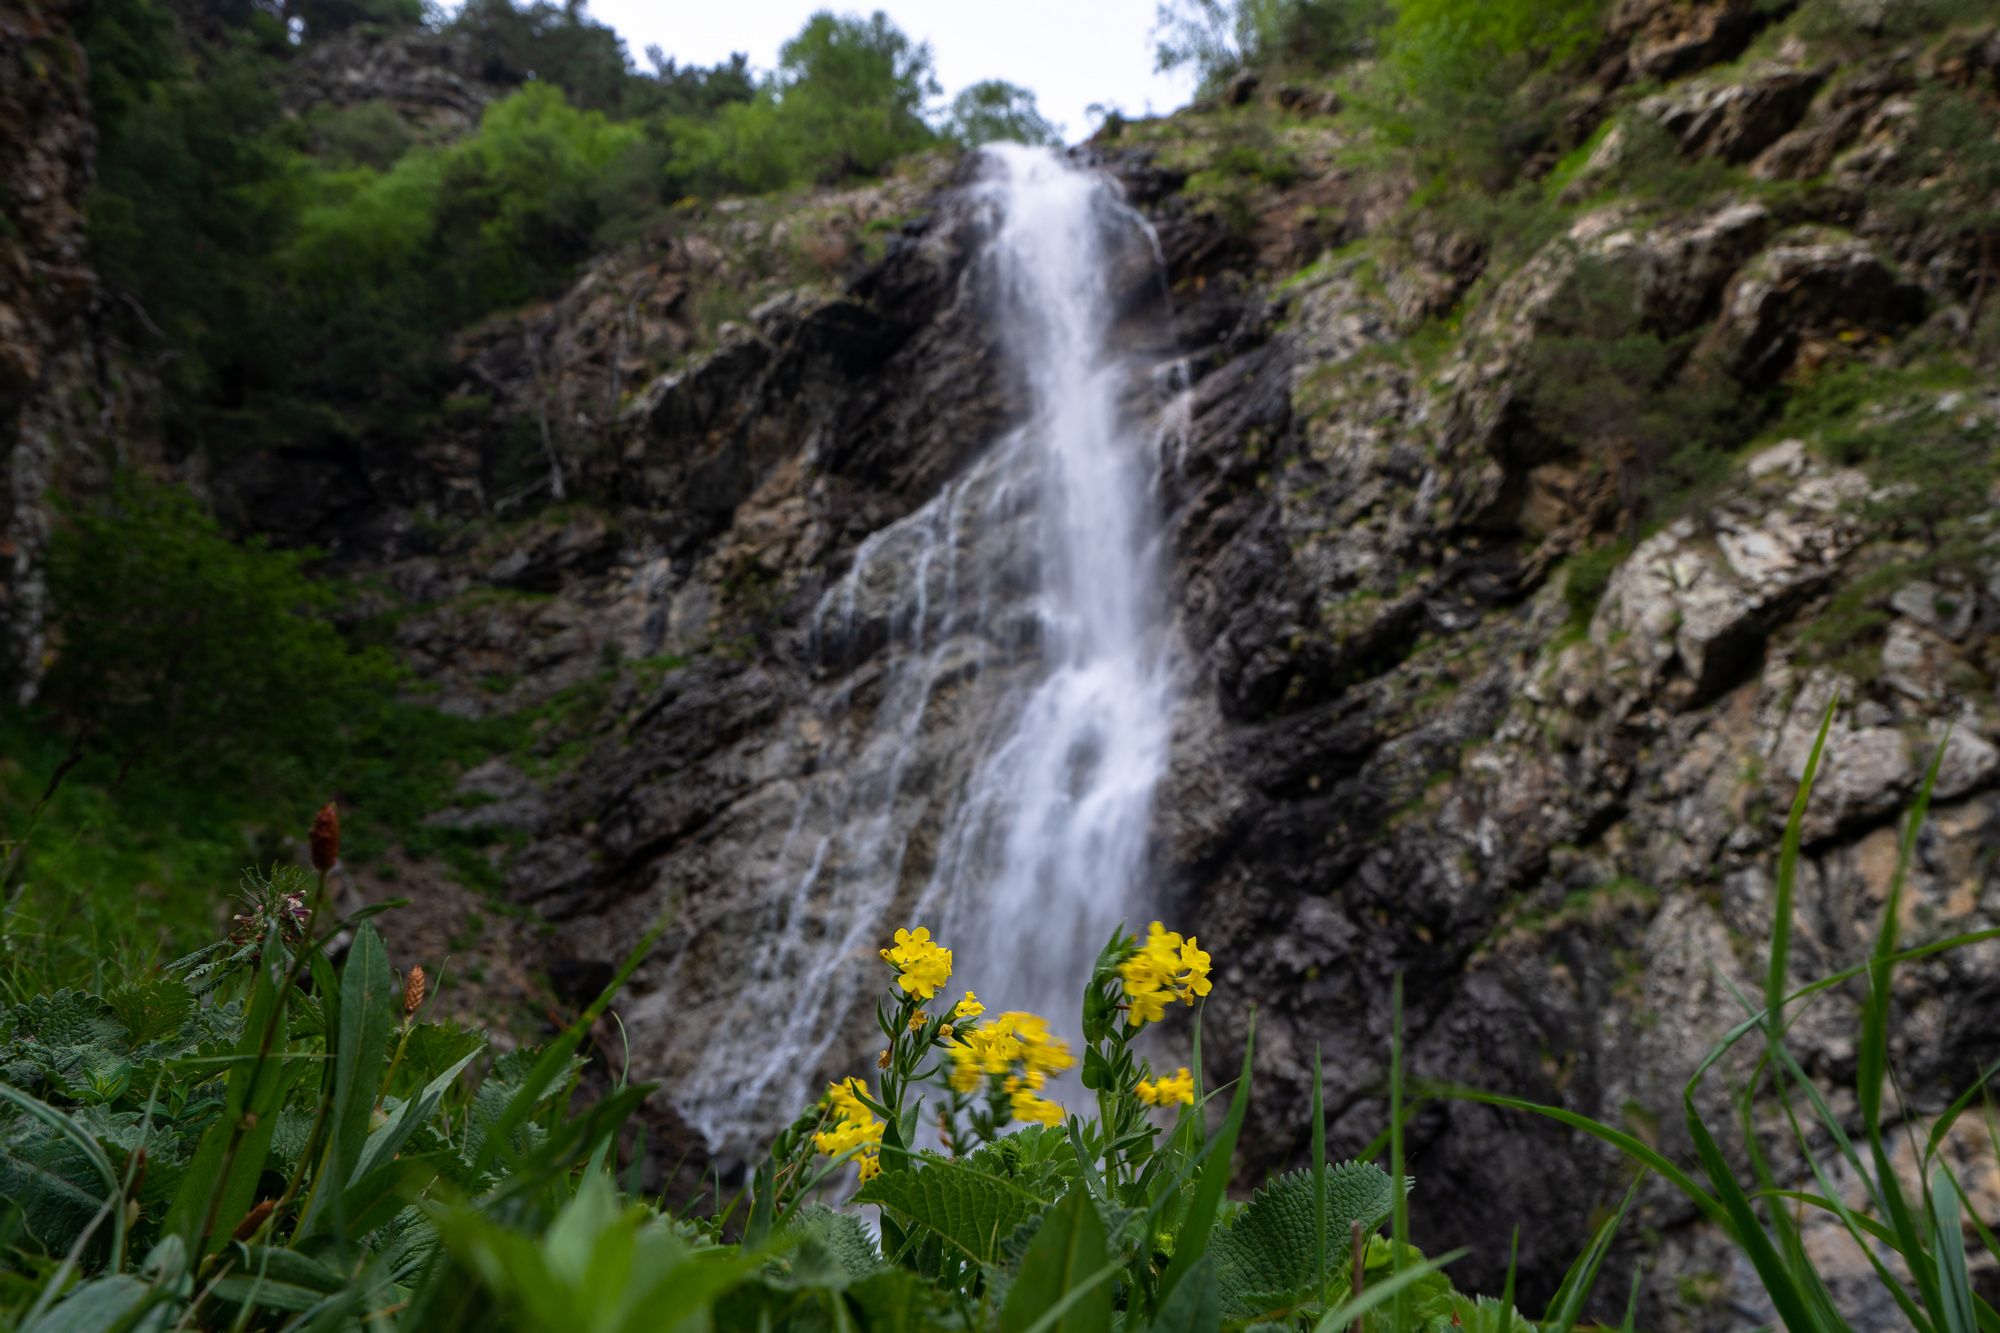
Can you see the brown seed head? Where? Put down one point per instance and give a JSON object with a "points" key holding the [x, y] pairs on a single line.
{"points": [[254, 1219], [325, 838], [413, 991]]}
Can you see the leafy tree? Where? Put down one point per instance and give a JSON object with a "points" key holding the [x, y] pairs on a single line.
{"points": [[1219, 37], [1457, 87], [996, 111], [175, 643], [848, 99], [548, 43]]}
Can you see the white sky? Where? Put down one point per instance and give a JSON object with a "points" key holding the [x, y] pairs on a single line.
{"points": [[1071, 52]]}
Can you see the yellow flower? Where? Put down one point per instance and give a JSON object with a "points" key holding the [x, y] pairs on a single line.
{"points": [[1175, 1087], [946, 1031], [1165, 968], [1194, 971], [918, 1019], [969, 1007], [845, 1099], [855, 1128], [1034, 1045], [884, 1060], [922, 966], [1027, 1106]]}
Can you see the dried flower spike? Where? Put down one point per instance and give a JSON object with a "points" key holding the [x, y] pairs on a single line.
{"points": [[254, 1219], [325, 838], [413, 991]]}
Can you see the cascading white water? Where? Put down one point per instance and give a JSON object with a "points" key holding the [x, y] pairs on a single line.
{"points": [[1025, 624]]}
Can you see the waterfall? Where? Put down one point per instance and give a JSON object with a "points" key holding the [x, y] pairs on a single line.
{"points": [[1020, 674]]}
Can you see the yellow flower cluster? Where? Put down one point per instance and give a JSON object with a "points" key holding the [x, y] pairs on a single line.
{"points": [[1168, 1090], [1014, 1038], [922, 965], [855, 1127], [1027, 1106], [1166, 968]]}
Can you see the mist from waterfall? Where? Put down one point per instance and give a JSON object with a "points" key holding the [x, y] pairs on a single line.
{"points": [[1022, 605]]}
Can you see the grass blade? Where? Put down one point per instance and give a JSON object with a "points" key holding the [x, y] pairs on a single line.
{"points": [[1788, 873], [1218, 1160]]}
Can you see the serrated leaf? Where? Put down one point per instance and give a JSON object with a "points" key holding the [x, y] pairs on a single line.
{"points": [[968, 1210], [52, 1179], [152, 1009], [1266, 1255], [1195, 1305], [839, 1236]]}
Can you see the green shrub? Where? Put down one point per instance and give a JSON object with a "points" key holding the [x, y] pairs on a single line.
{"points": [[1461, 85], [1219, 37], [996, 111], [196, 652]]}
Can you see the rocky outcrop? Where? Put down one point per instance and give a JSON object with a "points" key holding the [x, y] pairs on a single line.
{"points": [[672, 518], [1416, 742], [47, 144], [431, 80]]}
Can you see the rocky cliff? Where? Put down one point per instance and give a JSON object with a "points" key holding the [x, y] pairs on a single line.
{"points": [[1488, 685]]}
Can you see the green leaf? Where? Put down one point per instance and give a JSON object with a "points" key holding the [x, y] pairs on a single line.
{"points": [[220, 1184], [152, 1009], [103, 1305], [1953, 1280], [1265, 1258], [1397, 1284], [55, 1171], [555, 1059], [273, 1278], [839, 1236], [1788, 873], [1196, 1303], [368, 997], [967, 1209], [386, 1142], [1067, 1249], [1217, 1161]]}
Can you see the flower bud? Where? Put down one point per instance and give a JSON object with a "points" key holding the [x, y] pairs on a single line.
{"points": [[325, 838]]}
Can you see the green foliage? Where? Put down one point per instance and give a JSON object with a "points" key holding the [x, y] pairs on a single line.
{"points": [[1219, 37], [177, 643], [1605, 389], [1933, 455], [1265, 1257], [295, 279], [1462, 84], [1587, 575], [1915, 1245], [848, 98], [996, 111]]}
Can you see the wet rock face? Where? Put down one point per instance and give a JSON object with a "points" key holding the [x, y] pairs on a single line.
{"points": [[47, 147]]}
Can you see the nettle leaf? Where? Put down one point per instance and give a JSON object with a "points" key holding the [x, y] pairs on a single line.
{"points": [[152, 1009], [839, 1238], [71, 1040], [966, 1209], [434, 1048], [1266, 1254], [51, 1178]]}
